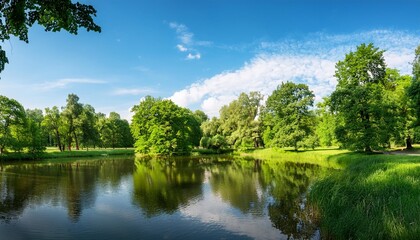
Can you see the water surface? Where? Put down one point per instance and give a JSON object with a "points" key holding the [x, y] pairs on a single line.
{"points": [[149, 198]]}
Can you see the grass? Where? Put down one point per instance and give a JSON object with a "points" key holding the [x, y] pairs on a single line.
{"points": [[320, 156], [51, 153], [373, 196]]}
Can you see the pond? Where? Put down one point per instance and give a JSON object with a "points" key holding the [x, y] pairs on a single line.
{"points": [[150, 198]]}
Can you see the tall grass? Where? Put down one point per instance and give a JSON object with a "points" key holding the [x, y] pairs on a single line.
{"points": [[373, 197]]}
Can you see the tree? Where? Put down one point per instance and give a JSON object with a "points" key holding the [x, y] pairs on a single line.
{"points": [[286, 117], [239, 123], [116, 132], [35, 133], [17, 16], [201, 116], [326, 123], [413, 90], [71, 113], [54, 125], [161, 127], [358, 99], [399, 110], [12, 114], [89, 132]]}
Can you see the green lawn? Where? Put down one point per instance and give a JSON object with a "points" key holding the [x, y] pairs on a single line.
{"points": [[55, 153]]}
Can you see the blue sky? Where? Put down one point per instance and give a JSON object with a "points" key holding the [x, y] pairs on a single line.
{"points": [[203, 54]]}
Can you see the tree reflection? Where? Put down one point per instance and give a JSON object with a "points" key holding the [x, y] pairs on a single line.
{"points": [[237, 183], [164, 185], [287, 183], [72, 184]]}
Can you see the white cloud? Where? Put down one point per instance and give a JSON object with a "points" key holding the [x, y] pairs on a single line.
{"points": [[183, 34], [311, 62], [132, 91], [181, 48], [62, 83], [193, 56], [211, 209], [187, 41]]}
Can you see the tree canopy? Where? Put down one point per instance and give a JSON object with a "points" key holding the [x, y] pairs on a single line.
{"points": [[287, 117], [17, 16], [161, 127], [360, 100]]}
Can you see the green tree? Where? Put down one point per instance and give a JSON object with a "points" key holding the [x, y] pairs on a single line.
{"points": [[54, 125], [413, 90], [286, 117], [358, 100], [12, 114], [116, 132], [71, 115], [239, 123], [400, 108], [210, 127], [161, 127], [89, 132], [17, 16], [201, 116], [36, 136], [325, 124]]}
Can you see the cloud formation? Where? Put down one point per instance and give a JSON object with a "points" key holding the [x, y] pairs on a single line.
{"points": [[193, 56], [62, 83], [310, 61], [187, 42]]}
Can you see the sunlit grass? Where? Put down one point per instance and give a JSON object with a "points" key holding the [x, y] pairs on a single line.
{"points": [[373, 197], [319, 156], [55, 153]]}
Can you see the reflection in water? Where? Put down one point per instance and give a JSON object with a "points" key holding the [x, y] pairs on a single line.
{"points": [[165, 185], [287, 183], [220, 197], [71, 184], [237, 183]]}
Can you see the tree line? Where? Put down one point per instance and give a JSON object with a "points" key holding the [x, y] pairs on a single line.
{"points": [[74, 126], [372, 108]]}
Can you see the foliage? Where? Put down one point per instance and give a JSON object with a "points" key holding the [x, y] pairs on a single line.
{"points": [[286, 117], [161, 127], [239, 123], [359, 100], [325, 124], [12, 119], [53, 123], [413, 91], [399, 109], [17, 16], [115, 132]]}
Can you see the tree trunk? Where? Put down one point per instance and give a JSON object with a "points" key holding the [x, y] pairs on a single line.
{"points": [[408, 143], [75, 139], [57, 135]]}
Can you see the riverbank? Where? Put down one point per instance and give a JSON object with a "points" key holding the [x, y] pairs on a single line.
{"points": [[52, 153], [371, 197]]}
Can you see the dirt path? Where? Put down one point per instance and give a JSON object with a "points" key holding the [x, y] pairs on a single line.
{"points": [[415, 152]]}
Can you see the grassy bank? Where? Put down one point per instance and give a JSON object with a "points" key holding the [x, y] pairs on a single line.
{"points": [[371, 196], [53, 153], [321, 156]]}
